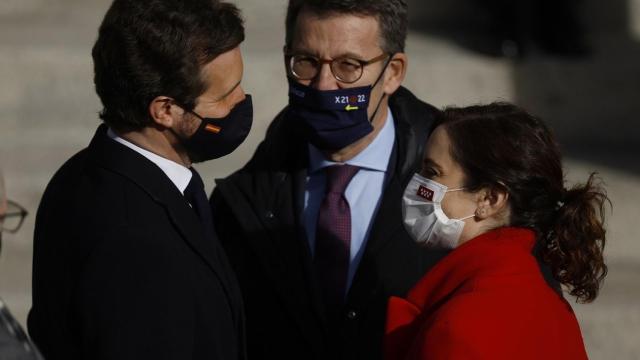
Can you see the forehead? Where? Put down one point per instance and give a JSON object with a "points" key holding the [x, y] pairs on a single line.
{"points": [[438, 149], [334, 34], [223, 73]]}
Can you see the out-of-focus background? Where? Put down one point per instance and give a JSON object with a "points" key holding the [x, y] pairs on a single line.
{"points": [[576, 63]]}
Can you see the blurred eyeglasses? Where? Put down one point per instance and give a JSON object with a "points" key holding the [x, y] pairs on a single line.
{"points": [[344, 69], [12, 219]]}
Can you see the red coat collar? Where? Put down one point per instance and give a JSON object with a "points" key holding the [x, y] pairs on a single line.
{"points": [[500, 251], [495, 251]]}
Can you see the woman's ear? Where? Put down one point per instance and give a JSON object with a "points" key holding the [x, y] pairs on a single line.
{"points": [[492, 203], [395, 73], [163, 112]]}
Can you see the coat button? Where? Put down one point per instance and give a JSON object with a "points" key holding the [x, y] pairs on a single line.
{"points": [[352, 314], [270, 215]]}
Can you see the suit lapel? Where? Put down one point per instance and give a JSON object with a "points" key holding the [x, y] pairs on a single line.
{"points": [[298, 190], [274, 202], [293, 249], [406, 159], [387, 223], [116, 157]]}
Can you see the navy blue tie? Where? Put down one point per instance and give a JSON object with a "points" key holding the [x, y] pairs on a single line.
{"points": [[197, 197]]}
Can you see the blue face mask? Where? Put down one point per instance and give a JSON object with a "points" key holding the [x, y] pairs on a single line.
{"points": [[332, 119]]}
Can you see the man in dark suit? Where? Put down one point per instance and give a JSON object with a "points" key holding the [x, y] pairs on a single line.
{"points": [[313, 223], [126, 261]]}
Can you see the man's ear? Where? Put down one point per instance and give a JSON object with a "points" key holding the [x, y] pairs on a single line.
{"points": [[163, 111], [395, 73], [492, 202]]}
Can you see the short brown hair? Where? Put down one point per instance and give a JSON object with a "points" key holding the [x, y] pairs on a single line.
{"points": [[150, 48], [391, 14]]}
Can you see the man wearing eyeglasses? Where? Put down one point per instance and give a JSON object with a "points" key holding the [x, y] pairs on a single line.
{"points": [[313, 223], [14, 343]]}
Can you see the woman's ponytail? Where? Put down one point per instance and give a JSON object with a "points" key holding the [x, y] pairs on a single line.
{"points": [[574, 248]]}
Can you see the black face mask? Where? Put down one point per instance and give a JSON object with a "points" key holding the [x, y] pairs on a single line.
{"points": [[217, 137]]}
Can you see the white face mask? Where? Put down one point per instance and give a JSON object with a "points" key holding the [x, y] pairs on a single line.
{"points": [[423, 216]]}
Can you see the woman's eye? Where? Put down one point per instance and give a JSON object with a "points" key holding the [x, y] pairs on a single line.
{"points": [[429, 172]]}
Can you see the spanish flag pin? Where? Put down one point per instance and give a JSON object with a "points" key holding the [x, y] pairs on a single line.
{"points": [[212, 128]]}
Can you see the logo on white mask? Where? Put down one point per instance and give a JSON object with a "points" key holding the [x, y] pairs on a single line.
{"points": [[423, 216]]}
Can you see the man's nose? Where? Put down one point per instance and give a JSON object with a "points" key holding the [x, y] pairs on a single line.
{"points": [[325, 79]]}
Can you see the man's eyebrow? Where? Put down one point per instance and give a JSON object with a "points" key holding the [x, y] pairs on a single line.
{"points": [[351, 55], [229, 92], [347, 54]]}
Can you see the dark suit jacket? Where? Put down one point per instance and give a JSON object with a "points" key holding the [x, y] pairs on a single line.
{"points": [[258, 217], [121, 268]]}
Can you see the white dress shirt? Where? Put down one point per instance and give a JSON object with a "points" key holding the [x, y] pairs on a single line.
{"points": [[177, 173]]}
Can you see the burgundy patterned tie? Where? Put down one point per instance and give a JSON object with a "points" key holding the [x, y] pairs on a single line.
{"points": [[333, 237]]}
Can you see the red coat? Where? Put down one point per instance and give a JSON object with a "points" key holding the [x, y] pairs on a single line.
{"points": [[486, 300]]}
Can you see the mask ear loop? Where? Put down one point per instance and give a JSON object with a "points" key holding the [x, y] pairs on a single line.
{"points": [[481, 212], [456, 189], [203, 123], [384, 69], [467, 217], [460, 189]]}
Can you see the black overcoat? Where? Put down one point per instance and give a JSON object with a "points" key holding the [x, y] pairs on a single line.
{"points": [[121, 268]]}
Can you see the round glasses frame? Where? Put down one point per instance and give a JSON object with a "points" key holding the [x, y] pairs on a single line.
{"points": [[333, 63]]}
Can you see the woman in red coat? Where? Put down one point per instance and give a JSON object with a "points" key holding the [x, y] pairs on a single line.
{"points": [[505, 208]]}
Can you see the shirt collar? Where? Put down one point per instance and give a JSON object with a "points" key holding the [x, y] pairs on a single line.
{"points": [[178, 174], [374, 157]]}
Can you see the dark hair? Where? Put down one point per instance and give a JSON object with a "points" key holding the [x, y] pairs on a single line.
{"points": [[391, 15], [151, 48], [502, 146]]}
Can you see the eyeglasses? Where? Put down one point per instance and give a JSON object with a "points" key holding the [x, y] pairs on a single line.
{"points": [[12, 219], [344, 69]]}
